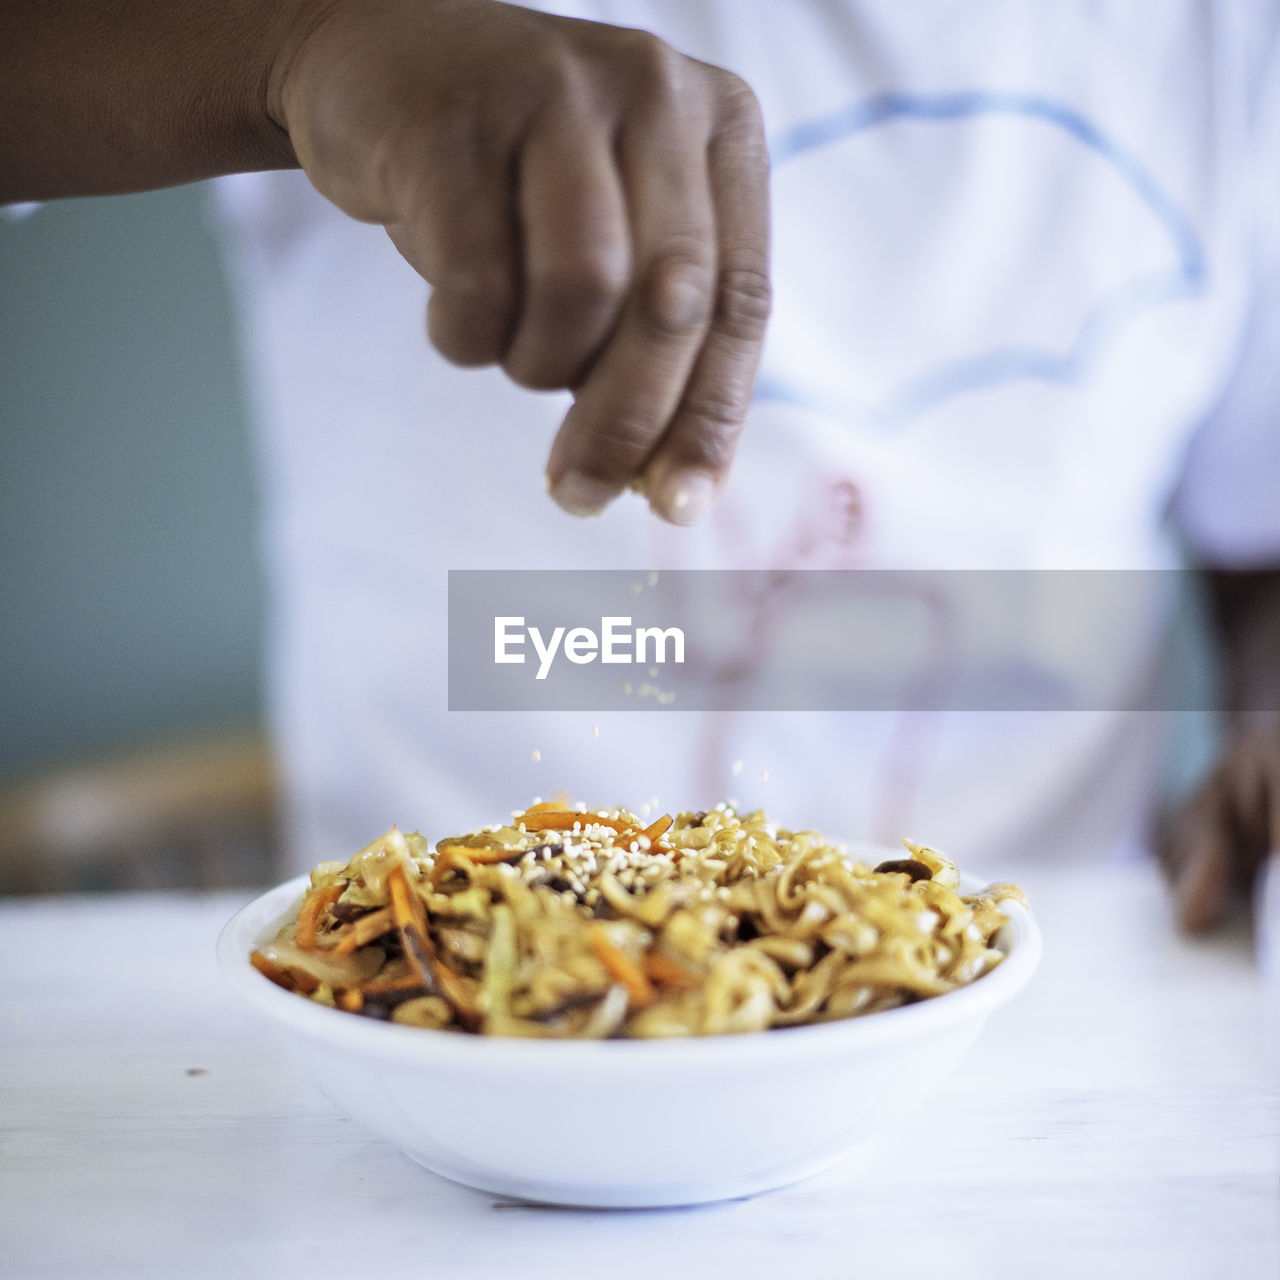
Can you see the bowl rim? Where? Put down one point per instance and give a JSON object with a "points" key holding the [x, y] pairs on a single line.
{"points": [[261, 918]]}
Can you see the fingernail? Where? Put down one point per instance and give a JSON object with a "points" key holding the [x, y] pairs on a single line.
{"points": [[685, 497], [580, 495]]}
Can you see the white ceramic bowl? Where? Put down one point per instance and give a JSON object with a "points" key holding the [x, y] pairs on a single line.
{"points": [[627, 1123]]}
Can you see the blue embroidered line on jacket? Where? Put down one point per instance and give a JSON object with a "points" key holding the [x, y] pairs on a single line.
{"points": [[1103, 322]]}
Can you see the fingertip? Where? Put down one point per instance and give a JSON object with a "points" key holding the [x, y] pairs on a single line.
{"points": [[581, 495], [683, 497], [1199, 893]]}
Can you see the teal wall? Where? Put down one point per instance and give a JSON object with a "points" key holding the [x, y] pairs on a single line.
{"points": [[129, 593]]}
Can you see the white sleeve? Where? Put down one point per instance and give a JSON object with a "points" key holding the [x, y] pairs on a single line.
{"points": [[1227, 503]]}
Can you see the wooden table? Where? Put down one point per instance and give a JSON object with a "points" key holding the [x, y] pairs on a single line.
{"points": [[1121, 1118]]}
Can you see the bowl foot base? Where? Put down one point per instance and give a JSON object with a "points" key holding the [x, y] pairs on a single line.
{"points": [[671, 1195]]}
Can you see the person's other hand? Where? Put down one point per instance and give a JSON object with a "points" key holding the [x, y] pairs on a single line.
{"points": [[1215, 843], [590, 207]]}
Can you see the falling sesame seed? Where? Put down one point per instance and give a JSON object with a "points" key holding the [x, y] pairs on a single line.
{"points": [[626, 686], [653, 673], [535, 755], [764, 775], [636, 588], [737, 767], [595, 730], [653, 577]]}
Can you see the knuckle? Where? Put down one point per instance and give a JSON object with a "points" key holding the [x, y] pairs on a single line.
{"points": [[709, 430], [739, 108], [654, 66], [621, 446], [476, 286], [581, 286], [743, 302], [663, 71], [567, 88], [678, 296]]}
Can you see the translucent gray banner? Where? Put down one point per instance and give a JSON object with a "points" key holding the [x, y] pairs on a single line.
{"points": [[827, 640]]}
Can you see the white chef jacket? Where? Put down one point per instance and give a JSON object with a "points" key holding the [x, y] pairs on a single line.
{"points": [[1026, 316]]}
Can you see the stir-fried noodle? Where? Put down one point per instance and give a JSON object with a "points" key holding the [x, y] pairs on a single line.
{"points": [[568, 923]]}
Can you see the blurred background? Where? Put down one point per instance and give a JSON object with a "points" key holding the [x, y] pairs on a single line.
{"points": [[131, 748]]}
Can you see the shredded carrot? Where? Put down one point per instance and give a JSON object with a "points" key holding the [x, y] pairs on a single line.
{"points": [[412, 924], [620, 966], [667, 973], [546, 806], [317, 902], [657, 829], [406, 906], [420, 952], [351, 1000], [384, 986], [452, 857], [563, 820], [365, 930]]}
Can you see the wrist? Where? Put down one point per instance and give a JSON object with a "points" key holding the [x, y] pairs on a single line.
{"points": [[303, 21]]}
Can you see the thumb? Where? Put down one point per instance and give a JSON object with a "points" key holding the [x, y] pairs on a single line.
{"points": [[1201, 856]]}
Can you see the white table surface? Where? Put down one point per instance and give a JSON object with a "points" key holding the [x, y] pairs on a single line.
{"points": [[1121, 1118]]}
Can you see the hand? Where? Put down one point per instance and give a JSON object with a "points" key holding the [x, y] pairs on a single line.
{"points": [[589, 205], [1217, 841]]}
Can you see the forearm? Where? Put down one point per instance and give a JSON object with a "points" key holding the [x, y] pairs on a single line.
{"points": [[106, 96], [589, 206]]}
